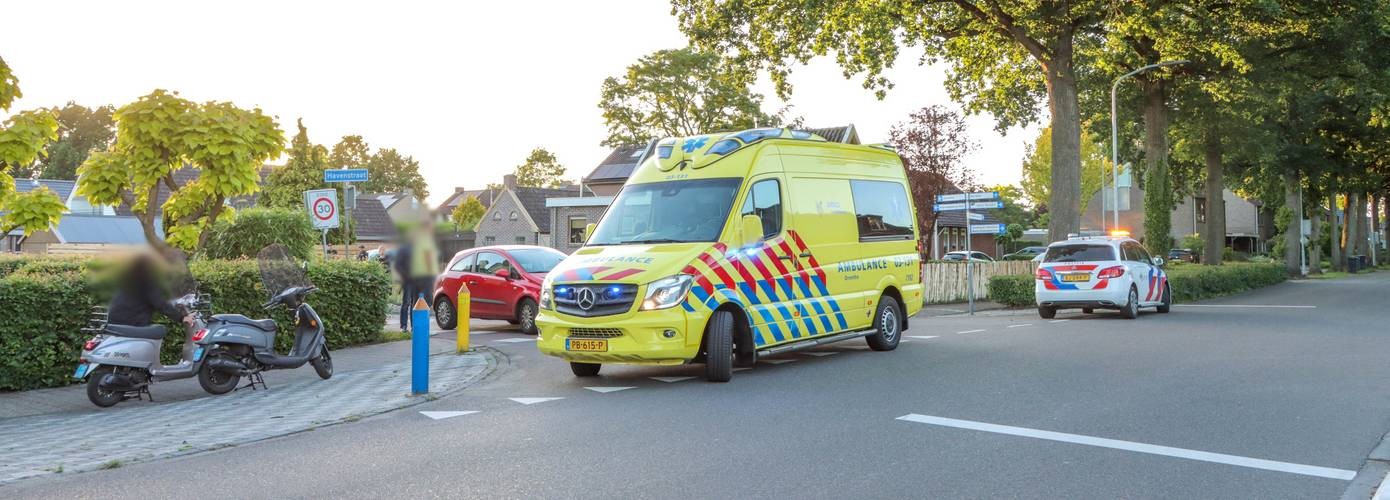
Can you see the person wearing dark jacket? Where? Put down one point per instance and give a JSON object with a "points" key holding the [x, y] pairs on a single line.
{"points": [[141, 294], [401, 261]]}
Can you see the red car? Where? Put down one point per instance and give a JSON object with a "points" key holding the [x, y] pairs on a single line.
{"points": [[505, 282]]}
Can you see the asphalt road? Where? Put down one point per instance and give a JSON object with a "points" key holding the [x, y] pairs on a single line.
{"points": [[1219, 399]]}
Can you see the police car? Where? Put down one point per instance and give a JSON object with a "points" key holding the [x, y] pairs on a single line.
{"points": [[1101, 272]]}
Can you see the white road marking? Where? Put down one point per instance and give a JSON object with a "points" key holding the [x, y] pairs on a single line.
{"points": [[923, 337], [1058, 320], [776, 361], [821, 353], [1152, 449], [742, 369], [670, 380], [1383, 491], [531, 401], [606, 390], [1246, 305], [513, 341], [1017, 326], [970, 331], [441, 415]]}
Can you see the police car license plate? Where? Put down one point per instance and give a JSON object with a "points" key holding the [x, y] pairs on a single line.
{"points": [[1076, 277], [586, 345]]}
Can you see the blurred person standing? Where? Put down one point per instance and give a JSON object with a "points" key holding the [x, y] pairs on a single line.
{"points": [[424, 261]]}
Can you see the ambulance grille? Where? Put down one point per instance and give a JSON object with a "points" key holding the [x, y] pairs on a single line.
{"points": [[596, 333]]}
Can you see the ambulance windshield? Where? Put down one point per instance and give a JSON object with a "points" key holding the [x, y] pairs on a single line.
{"points": [[667, 212]]}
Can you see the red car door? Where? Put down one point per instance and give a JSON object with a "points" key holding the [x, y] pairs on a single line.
{"points": [[453, 277], [489, 290]]}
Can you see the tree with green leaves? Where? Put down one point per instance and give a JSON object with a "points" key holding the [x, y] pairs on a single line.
{"points": [[22, 140], [677, 93], [81, 130], [541, 169], [467, 214], [161, 133], [285, 186], [388, 171], [1037, 170], [1006, 58]]}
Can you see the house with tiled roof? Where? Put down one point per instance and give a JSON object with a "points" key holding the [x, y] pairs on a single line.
{"points": [[517, 215]]}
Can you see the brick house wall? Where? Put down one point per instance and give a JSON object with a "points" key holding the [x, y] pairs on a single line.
{"points": [[563, 238], [506, 223]]}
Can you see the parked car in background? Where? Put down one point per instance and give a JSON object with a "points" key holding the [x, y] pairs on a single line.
{"points": [[504, 282], [1027, 253], [1182, 254], [959, 256]]}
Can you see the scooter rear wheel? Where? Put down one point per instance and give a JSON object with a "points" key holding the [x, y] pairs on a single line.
{"points": [[215, 381], [323, 364], [99, 396]]}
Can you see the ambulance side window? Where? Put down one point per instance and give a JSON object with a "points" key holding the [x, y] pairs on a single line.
{"points": [[765, 201]]}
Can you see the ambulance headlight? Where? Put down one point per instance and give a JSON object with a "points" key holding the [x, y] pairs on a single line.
{"points": [[666, 292], [547, 297]]}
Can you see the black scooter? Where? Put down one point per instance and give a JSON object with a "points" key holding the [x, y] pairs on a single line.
{"points": [[238, 346]]}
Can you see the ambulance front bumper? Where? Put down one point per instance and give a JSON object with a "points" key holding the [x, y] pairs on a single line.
{"points": [[662, 337]]}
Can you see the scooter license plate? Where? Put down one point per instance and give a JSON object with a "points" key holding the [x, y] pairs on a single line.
{"points": [[81, 371], [198, 354]]}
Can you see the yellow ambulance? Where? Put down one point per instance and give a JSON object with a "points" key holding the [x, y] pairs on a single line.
{"points": [[725, 247]]}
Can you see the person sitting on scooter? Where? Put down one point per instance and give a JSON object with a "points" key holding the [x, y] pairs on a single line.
{"points": [[142, 293]]}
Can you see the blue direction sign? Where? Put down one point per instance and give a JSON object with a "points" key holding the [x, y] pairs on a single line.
{"points": [[974, 205], [987, 229], [345, 175], [988, 195]]}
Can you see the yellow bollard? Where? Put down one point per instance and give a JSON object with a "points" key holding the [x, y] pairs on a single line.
{"points": [[463, 315]]}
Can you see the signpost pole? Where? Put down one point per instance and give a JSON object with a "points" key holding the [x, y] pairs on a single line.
{"points": [[969, 261], [325, 244]]}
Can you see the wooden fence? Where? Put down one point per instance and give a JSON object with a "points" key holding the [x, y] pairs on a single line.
{"points": [[945, 281]]}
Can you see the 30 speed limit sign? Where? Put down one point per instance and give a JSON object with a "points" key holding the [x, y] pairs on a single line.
{"points": [[323, 208]]}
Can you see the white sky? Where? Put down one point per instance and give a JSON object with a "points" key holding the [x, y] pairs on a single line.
{"points": [[468, 90]]}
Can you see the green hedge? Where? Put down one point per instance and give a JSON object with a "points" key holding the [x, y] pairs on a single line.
{"points": [[45, 302], [1012, 290], [251, 229], [1189, 282]]}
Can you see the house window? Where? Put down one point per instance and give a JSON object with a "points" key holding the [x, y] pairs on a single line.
{"points": [[1200, 208], [512, 216], [489, 240], [577, 225], [521, 240], [497, 216]]}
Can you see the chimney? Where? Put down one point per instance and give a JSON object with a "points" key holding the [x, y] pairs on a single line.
{"points": [[509, 181], [460, 189]]}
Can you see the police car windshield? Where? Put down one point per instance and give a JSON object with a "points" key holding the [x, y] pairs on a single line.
{"points": [[667, 212], [1079, 253]]}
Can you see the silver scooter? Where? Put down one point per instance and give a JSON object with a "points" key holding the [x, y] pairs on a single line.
{"points": [[121, 361]]}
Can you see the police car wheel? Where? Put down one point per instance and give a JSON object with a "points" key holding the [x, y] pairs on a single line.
{"points": [[1167, 301], [585, 369], [888, 325], [719, 347], [1131, 309], [1047, 312]]}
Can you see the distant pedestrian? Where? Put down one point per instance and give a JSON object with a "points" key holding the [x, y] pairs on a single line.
{"points": [[361, 252], [400, 262], [424, 262]]}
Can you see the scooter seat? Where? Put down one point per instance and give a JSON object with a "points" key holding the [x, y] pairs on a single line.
{"points": [[153, 332], [263, 324]]}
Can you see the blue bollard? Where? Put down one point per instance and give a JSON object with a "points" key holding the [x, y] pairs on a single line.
{"points": [[420, 347]]}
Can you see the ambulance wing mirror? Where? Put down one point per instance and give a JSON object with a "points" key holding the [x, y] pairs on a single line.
{"points": [[588, 231], [751, 230]]}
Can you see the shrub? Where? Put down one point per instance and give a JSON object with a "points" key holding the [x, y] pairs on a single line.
{"points": [[45, 309], [252, 229], [1191, 283], [1012, 290]]}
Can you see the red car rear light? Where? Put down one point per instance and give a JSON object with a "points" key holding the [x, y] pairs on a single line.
{"points": [[198, 336], [1043, 274], [1111, 272]]}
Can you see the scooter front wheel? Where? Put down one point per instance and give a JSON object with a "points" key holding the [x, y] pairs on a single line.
{"points": [[217, 382], [101, 397], [323, 364]]}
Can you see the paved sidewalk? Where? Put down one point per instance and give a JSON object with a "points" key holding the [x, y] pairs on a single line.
{"points": [[933, 310]]}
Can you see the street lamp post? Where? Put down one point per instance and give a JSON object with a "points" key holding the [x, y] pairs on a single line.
{"points": [[1115, 145]]}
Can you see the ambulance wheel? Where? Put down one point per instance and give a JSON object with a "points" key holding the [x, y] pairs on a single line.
{"points": [[444, 314], [1131, 309], [1088, 311], [888, 325], [1167, 300], [719, 347], [1047, 312], [585, 369]]}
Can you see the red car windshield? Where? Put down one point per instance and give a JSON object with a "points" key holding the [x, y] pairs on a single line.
{"points": [[537, 260]]}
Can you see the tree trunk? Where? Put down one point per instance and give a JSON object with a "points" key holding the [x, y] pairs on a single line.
{"points": [[1385, 226], [1293, 249], [1158, 196], [1315, 245], [1216, 206], [1362, 225], [1334, 251], [1064, 203]]}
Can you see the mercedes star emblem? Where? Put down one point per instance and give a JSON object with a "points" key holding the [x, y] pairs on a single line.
{"points": [[585, 299]]}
